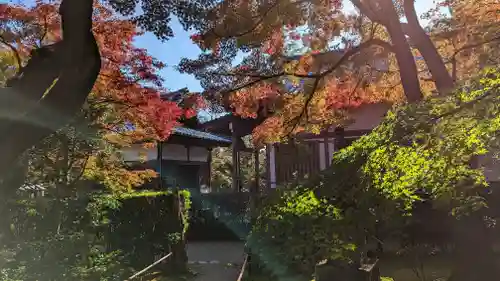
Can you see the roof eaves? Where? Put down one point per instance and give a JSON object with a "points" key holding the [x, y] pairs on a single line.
{"points": [[200, 135]]}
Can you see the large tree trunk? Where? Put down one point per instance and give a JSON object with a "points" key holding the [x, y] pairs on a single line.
{"points": [[406, 62], [384, 13], [422, 41], [45, 106]]}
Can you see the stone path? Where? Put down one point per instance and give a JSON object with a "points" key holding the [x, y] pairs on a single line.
{"points": [[216, 261]]}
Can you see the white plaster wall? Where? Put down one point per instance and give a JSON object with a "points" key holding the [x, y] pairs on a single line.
{"points": [[368, 116], [170, 152], [137, 152], [331, 149]]}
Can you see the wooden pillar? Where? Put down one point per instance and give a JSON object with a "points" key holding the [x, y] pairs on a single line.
{"points": [[268, 168], [236, 159], [271, 166], [252, 261], [209, 171], [159, 159], [327, 152], [256, 169], [339, 138], [321, 157]]}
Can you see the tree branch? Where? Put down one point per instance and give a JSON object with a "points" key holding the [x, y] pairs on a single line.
{"points": [[305, 110], [470, 46], [345, 56]]}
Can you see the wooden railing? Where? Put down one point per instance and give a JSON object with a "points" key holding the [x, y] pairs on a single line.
{"points": [[243, 268], [149, 267]]}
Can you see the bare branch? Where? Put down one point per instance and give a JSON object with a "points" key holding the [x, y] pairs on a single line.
{"points": [[305, 110], [345, 56], [470, 46]]}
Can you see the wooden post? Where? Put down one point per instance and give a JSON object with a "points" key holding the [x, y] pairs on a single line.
{"points": [[159, 158], [339, 138], [327, 153], [257, 169], [236, 159], [255, 188], [178, 249], [209, 167], [271, 166], [254, 209], [268, 167]]}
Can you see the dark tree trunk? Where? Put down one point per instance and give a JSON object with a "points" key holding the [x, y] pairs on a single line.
{"points": [[422, 41], [75, 63], [405, 59]]}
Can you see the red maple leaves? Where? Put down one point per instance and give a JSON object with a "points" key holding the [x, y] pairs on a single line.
{"points": [[129, 84], [249, 101]]}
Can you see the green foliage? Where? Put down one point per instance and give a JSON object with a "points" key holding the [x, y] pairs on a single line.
{"points": [[147, 225], [373, 184], [430, 146], [57, 239], [298, 232], [91, 237]]}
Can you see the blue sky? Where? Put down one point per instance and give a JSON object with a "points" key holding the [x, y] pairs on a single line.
{"points": [[172, 51]]}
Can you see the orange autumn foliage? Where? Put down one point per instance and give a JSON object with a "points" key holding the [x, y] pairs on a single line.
{"points": [[125, 105]]}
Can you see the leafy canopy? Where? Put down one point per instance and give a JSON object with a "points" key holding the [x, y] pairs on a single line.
{"points": [[125, 106], [419, 149]]}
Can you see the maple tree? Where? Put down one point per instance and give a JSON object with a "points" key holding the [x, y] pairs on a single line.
{"points": [[337, 66], [126, 93], [127, 104], [319, 86], [61, 73]]}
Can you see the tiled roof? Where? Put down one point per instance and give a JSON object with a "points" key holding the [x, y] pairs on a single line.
{"points": [[200, 134]]}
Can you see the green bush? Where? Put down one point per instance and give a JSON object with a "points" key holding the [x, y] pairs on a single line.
{"points": [[98, 237], [292, 236], [146, 226], [373, 185], [57, 239]]}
